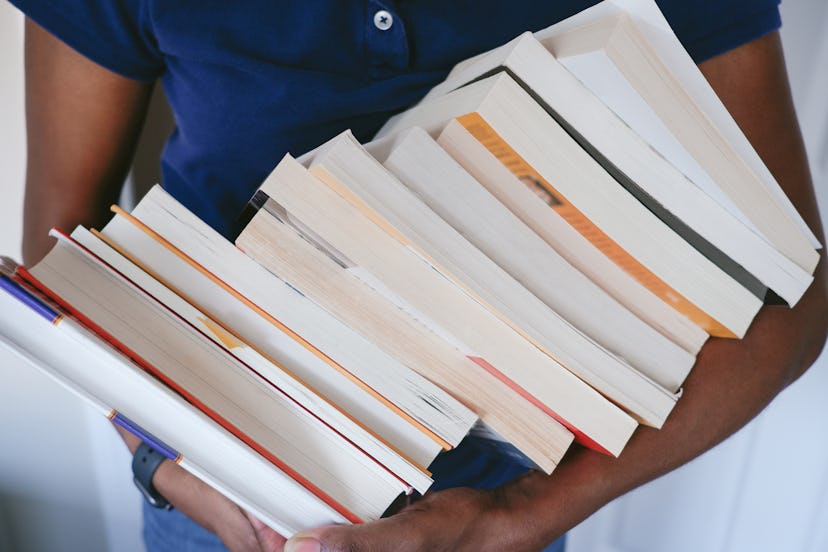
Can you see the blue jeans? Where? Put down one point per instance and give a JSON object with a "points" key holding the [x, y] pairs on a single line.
{"points": [[469, 465], [172, 531]]}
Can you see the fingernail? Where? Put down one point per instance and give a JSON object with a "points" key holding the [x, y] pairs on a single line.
{"points": [[303, 544]]}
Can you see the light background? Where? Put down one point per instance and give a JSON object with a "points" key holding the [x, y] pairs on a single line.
{"points": [[64, 475]]}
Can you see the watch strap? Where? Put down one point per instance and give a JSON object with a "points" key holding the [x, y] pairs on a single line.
{"points": [[145, 463]]}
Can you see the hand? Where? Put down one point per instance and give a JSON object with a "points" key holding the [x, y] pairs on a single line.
{"points": [[238, 530], [268, 540], [453, 520]]}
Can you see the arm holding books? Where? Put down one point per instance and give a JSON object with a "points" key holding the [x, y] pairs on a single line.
{"points": [[733, 380]]}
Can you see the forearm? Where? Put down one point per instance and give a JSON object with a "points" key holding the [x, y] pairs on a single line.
{"points": [[731, 382]]}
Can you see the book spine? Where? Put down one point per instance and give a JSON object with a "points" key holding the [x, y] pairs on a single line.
{"points": [[147, 437], [498, 147], [30, 300]]}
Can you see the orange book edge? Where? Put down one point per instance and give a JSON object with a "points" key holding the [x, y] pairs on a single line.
{"points": [[445, 445], [497, 146], [231, 339]]}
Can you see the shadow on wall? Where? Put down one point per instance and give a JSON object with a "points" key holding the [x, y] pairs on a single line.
{"points": [[146, 167], [5, 532], [54, 521]]}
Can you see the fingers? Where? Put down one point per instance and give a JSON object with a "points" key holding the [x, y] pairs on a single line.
{"points": [[269, 540]]}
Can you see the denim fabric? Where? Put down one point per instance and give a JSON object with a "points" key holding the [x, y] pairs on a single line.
{"points": [[172, 531]]}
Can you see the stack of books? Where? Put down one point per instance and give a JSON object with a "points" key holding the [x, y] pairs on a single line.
{"points": [[533, 255]]}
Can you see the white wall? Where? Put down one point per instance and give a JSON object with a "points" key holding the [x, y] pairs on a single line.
{"points": [[64, 476], [805, 37]]}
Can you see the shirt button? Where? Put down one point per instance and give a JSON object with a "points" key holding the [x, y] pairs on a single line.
{"points": [[383, 20]]}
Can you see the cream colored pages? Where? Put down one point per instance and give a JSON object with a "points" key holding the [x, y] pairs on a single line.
{"points": [[650, 21], [368, 246], [284, 251]]}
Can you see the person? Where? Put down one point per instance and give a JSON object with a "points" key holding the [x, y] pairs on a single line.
{"points": [[249, 81]]}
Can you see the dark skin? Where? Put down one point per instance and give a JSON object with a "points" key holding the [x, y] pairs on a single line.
{"points": [[83, 122]]}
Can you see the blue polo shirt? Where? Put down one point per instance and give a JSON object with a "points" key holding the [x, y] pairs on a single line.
{"points": [[249, 80]]}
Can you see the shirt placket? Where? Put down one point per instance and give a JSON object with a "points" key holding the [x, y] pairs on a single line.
{"points": [[385, 39]]}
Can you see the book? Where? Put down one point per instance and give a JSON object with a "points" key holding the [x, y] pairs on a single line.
{"points": [[52, 341], [692, 213], [478, 216], [385, 261], [624, 46], [505, 119], [520, 257]]}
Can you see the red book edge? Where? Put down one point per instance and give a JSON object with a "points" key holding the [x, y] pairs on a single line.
{"points": [[192, 399], [113, 270], [580, 437]]}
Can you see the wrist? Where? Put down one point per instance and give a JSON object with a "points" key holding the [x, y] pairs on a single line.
{"points": [[202, 504], [145, 463]]}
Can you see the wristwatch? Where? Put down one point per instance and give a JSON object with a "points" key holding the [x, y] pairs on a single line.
{"points": [[145, 462]]}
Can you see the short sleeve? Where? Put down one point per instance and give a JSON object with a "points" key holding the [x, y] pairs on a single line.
{"points": [[707, 28], [116, 34]]}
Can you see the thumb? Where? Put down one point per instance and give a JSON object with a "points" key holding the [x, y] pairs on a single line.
{"points": [[305, 541], [374, 536], [301, 543]]}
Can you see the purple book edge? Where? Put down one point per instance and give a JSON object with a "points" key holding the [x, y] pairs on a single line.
{"points": [[29, 299], [145, 436], [45, 311]]}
